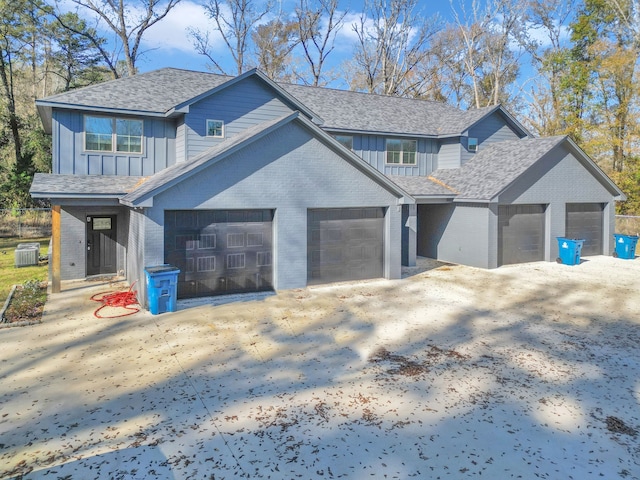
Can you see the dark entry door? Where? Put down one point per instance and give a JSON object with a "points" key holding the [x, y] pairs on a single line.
{"points": [[520, 233], [585, 221], [101, 245]]}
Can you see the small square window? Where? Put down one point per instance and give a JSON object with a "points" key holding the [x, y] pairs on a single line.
{"points": [[215, 128], [472, 145]]}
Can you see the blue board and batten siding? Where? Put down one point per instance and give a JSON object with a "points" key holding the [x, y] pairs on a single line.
{"points": [[372, 149], [70, 157], [240, 106]]}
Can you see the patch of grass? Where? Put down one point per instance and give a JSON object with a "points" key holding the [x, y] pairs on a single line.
{"points": [[9, 274]]}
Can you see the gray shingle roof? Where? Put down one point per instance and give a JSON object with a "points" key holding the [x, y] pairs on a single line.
{"points": [[47, 185], [156, 92], [496, 166], [346, 110], [159, 91]]}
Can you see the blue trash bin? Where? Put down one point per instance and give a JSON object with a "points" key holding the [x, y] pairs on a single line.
{"points": [[625, 246], [569, 250], [162, 288]]}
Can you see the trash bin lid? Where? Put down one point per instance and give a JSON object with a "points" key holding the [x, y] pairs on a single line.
{"points": [[161, 269]]}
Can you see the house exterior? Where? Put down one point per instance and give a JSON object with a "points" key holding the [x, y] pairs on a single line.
{"points": [[246, 184]]}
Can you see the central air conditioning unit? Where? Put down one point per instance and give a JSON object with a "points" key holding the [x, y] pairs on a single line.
{"points": [[27, 254]]}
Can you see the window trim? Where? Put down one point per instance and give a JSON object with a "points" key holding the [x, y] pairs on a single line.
{"points": [[401, 152], [472, 147], [114, 135], [222, 128]]}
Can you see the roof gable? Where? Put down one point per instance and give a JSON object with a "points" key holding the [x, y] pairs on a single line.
{"points": [[499, 165], [165, 179]]}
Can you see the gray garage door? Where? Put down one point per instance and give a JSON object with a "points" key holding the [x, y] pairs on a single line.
{"points": [[345, 244], [219, 251], [585, 221], [520, 233]]}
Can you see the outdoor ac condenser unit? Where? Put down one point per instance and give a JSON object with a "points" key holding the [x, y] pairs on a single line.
{"points": [[27, 254]]}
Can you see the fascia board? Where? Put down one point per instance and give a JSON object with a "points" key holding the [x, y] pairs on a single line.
{"points": [[121, 111]]}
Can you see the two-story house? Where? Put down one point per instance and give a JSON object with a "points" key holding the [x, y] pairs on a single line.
{"points": [[246, 184]]}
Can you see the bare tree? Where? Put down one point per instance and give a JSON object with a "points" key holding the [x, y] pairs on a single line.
{"points": [[491, 40], [318, 25], [392, 40], [234, 20], [128, 22], [273, 43]]}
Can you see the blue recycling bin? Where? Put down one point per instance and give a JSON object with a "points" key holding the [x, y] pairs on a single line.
{"points": [[569, 250], [625, 246], [162, 288]]}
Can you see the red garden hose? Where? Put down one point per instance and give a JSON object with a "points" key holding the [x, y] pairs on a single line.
{"points": [[119, 300]]}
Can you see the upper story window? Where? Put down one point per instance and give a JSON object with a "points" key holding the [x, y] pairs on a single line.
{"points": [[215, 128], [472, 144], [346, 140], [402, 152], [107, 134]]}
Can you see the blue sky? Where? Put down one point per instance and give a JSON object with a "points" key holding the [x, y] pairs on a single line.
{"points": [[167, 44]]}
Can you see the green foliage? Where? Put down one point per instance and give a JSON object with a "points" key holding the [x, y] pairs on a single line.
{"points": [[9, 275]]}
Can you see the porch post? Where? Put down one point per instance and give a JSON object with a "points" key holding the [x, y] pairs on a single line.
{"points": [[55, 249]]}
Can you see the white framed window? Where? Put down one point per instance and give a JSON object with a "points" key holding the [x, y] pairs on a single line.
{"points": [[109, 134], [401, 151], [472, 144], [346, 140], [215, 128]]}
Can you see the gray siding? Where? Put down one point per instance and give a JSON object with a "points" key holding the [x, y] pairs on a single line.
{"points": [[240, 106], [372, 149], [73, 231], [492, 129], [455, 233], [449, 152], [290, 172], [181, 141], [135, 257], [69, 156]]}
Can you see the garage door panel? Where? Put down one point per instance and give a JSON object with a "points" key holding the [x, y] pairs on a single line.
{"points": [[223, 251], [345, 244], [586, 221], [520, 233]]}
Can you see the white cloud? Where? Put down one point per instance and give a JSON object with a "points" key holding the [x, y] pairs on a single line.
{"points": [[171, 33]]}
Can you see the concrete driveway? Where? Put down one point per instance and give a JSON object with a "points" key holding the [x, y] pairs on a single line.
{"points": [[528, 371]]}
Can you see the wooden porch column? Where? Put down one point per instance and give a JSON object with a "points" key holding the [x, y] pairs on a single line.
{"points": [[55, 249]]}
